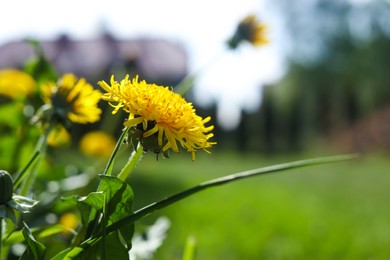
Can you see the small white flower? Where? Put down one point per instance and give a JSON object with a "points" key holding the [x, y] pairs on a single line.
{"points": [[144, 245]]}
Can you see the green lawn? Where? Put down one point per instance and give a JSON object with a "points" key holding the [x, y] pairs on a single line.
{"points": [[333, 211]]}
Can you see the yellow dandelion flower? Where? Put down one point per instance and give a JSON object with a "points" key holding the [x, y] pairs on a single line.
{"points": [[97, 143], [59, 137], [73, 98], [15, 83], [164, 117], [250, 29], [69, 220]]}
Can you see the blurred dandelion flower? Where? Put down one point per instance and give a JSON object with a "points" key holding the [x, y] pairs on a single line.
{"points": [[15, 83], [59, 137], [163, 117], [97, 143], [74, 99], [250, 29], [69, 220]]}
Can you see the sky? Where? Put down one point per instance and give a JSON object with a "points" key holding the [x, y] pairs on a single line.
{"points": [[233, 80]]}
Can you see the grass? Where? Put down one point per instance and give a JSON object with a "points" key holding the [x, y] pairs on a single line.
{"points": [[334, 211]]}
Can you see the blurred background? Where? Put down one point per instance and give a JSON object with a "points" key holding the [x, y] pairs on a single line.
{"points": [[321, 86]]}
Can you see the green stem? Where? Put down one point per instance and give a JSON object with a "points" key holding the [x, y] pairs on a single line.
{"points": [[21, 174], [41, 149], [104, 249], [186, 84], [213, 183], [189, 249], [133, 159], [18, 147], [110, 163]]}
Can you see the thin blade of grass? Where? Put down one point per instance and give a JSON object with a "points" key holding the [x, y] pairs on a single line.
{"points": [[223, 180]]}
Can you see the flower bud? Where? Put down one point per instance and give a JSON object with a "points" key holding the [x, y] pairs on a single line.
{"points": [[149, 143], [6, 187]]}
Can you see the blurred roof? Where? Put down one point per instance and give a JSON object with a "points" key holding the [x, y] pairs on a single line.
{"points": [[155, 60]]}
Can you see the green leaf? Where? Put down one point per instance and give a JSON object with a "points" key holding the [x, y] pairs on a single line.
{"points": [[18, 236], [61, 255], [116, 250], [7, 212], [114, 196], [34, 250], [22, 204], [94, 199], [69, 253], [127, 232], [119, 204], [113, 200], [111, 247]]}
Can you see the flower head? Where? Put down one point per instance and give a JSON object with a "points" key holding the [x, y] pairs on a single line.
{"points": [[97, 143], [73, 99], [15, 83], [249, 29], [69, 220], [163, 117], [59, 137]]}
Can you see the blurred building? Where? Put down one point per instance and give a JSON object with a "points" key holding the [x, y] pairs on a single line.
{"points": [[155, 60]]}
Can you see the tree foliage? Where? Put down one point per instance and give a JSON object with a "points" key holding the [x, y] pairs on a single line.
{"points": [[338, 72]]}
